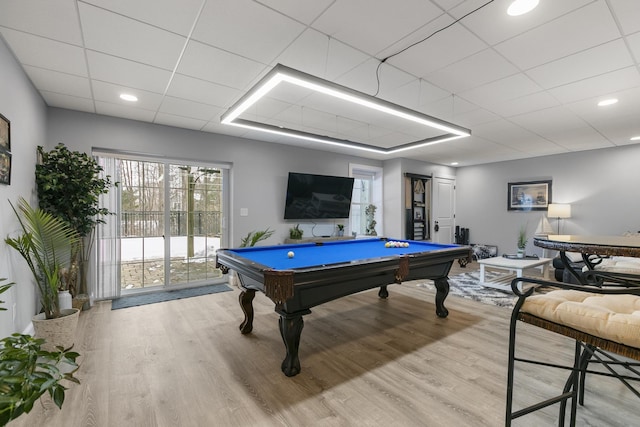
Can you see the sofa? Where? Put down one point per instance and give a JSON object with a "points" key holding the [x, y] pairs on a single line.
{"points": [[615, 264], [561, 274]]}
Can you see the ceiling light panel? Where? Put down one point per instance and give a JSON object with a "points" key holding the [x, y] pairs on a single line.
{"points": [[322, 111]]}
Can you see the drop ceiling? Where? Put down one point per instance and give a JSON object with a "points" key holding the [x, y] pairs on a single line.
{"points": [[525, 86]]}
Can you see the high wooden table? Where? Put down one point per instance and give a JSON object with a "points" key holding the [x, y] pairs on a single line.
{"points": [[588, 246]]}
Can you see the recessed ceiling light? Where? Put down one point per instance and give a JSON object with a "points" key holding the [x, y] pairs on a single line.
{"points": [[635, 138], [606, 102], [454, 163], [128, 97], [520, 7]]}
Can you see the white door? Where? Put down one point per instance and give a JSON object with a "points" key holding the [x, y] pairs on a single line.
{"points": [[443, 210]]}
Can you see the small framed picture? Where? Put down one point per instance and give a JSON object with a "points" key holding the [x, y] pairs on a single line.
{"points": [[5, 167], [5, 134], [529, 196]]}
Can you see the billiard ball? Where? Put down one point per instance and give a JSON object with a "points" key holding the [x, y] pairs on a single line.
{"points": [[290, 254]]}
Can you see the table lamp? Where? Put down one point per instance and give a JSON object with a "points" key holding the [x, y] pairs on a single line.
{"points": [[559, 211]]}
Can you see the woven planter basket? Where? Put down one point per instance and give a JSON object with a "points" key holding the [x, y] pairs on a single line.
{"points": [[57, 332]]}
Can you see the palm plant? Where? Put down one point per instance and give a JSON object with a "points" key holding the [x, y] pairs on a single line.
{"points": [[45, 244], [255, 236], [4, 288]]}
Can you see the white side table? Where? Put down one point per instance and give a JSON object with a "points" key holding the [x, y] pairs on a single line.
{"points": [[516, 266]]}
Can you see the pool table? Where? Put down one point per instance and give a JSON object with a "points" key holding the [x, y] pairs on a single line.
{"points": [[321, 272]]}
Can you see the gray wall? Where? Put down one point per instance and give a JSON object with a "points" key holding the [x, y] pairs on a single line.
{"points": [[259, 169], [394, 203], [25, 109], [601, 186]]}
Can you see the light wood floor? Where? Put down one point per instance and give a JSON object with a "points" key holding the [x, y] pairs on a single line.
{"points": [[365, 362]]}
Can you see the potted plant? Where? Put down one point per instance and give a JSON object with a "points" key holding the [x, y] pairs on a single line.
{"points": [[69, 186], [340, 229], [295, 232], [28, 372], [3, 289], [249, 240], [255, 236], [522, 241], [370, 212], [45, 244]]}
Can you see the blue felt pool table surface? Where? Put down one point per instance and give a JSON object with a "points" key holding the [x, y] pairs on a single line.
{"points": [[309, 255]]}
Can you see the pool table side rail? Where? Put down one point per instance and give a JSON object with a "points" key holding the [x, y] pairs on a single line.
{"points": [[279, 285]]}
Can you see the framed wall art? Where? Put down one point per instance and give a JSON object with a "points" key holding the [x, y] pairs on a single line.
{"points": [[5, 168], [5, 134], [529, 196]]}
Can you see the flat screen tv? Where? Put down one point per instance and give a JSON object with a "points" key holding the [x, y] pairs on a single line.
{"points": [[317, 196]]}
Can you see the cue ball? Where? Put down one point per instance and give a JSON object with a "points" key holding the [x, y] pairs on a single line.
{"points": [[290, 254]]}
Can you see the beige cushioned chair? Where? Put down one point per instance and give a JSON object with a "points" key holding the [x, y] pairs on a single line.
{"points": [[601, 319]]}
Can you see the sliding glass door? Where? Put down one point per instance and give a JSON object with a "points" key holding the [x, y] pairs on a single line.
{"points": [[170, 219], [195, 213]]}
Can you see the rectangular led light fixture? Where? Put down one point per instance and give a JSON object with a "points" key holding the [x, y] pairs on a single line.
{"points": [[282, 74]]}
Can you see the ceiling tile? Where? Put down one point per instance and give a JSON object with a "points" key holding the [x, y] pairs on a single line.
{"points": [[69, 102], [503, 27], [184, 108], [215, 65], [124, 111], [627, 13], [506, 89], [365, 24], [555, 120], [525, 104], [44, 53], [179, 121], [319, 55], [124, 37], [175, 16], [305, 12], [246, 28], [603, 84], [473, 71], [436, 53], [634, 44], [55, 20], [588, 63], [54, 81], [201, 91], [120, 71], [584, 138], [110, 93], [475, 117], [628, 106], [586, 27]]}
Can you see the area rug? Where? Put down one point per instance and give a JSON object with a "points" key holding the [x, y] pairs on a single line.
{"points": [[467, 285], [154, 297]]}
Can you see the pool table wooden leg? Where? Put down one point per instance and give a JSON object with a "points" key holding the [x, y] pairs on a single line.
{"points": [[383, 293], [246, 303], [442, 290], [291, 329]]}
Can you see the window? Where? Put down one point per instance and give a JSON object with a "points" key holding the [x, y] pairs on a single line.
{"points": [[367, 190]]}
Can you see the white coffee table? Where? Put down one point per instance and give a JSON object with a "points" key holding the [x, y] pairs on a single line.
{"points": [[512, 265]]}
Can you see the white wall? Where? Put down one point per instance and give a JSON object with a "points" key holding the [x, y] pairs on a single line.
{"points": [[601, 186], [25, 109]]}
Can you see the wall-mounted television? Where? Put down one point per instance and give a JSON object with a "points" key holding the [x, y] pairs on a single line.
{"points": [[317, 196]]}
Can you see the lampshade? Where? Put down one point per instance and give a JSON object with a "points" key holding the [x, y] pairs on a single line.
{"points": [[559, 210]]}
